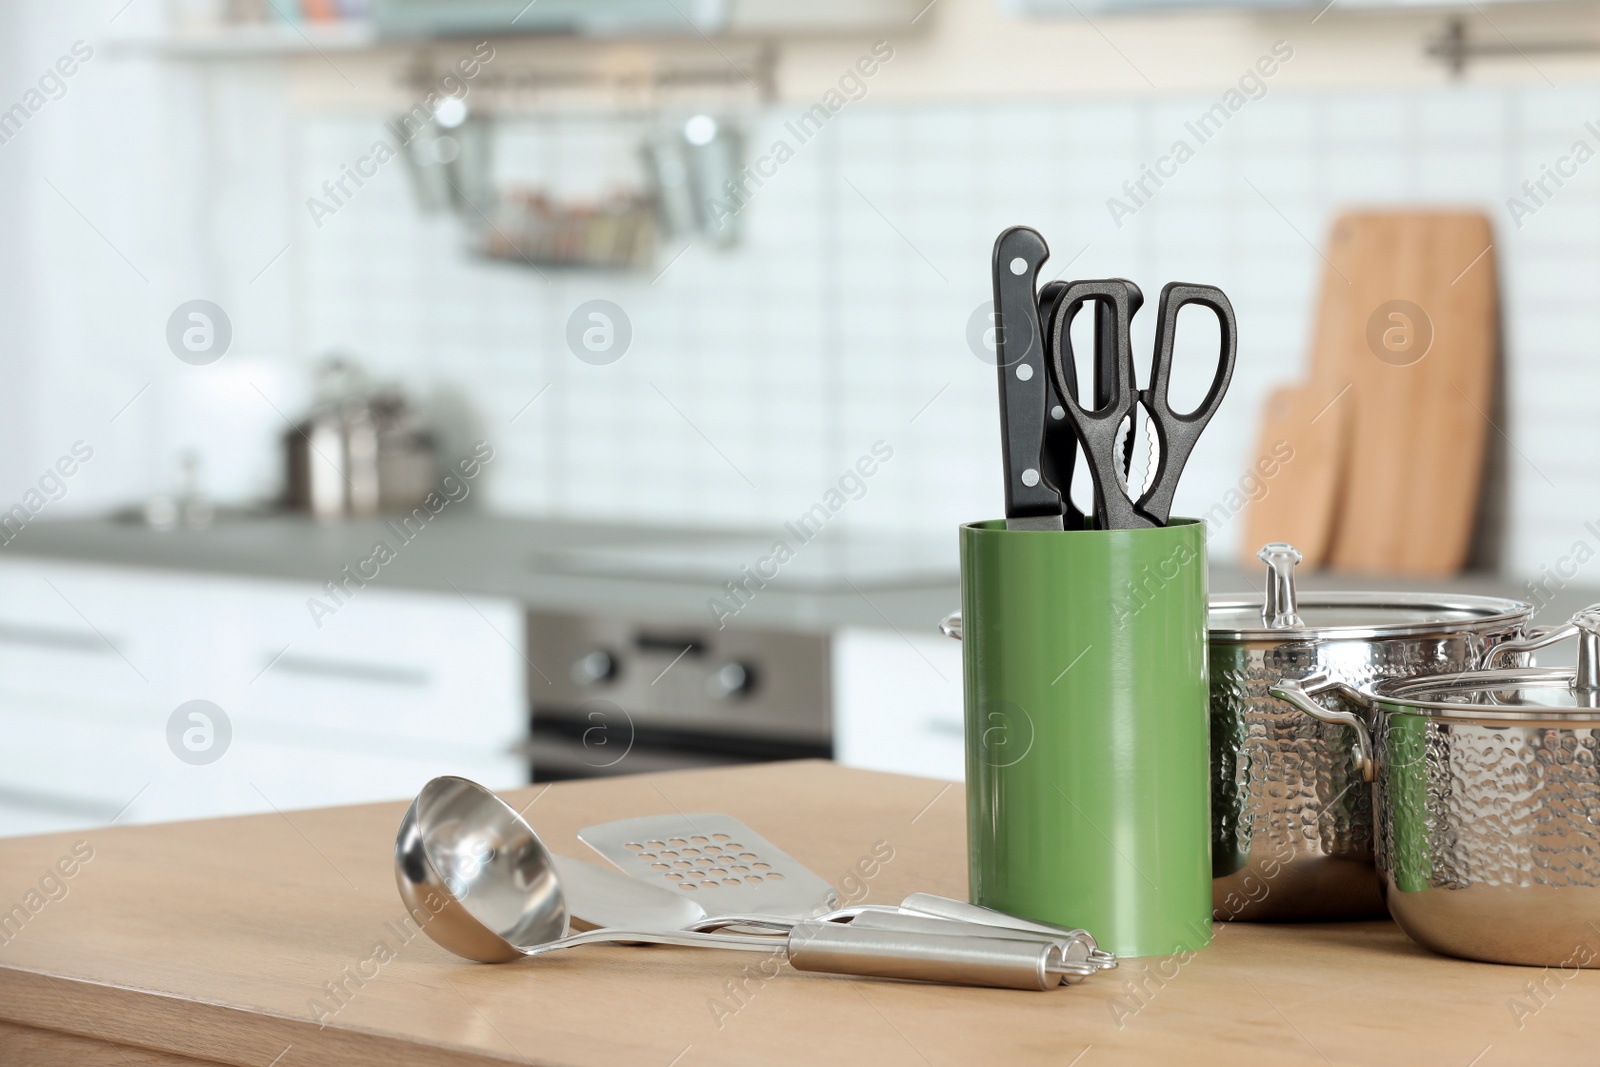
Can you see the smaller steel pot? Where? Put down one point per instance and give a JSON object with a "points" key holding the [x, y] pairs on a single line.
{"points": [[1486, 800]]}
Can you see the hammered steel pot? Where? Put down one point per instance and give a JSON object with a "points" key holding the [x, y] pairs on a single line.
{"points": [[1486, 788], [1291, 821]]}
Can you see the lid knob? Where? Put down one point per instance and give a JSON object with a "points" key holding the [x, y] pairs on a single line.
{"points": [[1280, 612]]}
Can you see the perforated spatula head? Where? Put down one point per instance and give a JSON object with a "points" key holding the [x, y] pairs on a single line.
{"points": [[723, 865], [602, 896]]}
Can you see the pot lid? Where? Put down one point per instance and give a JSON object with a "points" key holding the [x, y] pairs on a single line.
{"points": [[1519, 690], [1476, 693], [1285, 614]]}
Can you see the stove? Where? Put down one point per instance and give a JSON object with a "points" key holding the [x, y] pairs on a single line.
{"points": [[619, 692]]}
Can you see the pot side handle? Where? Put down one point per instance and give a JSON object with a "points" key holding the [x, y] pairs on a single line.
{"points": [[950, 625], [1533, 639], [1585, 625], [1300, 693]]}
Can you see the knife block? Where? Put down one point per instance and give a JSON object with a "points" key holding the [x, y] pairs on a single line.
{"points": [[1087, 730]]}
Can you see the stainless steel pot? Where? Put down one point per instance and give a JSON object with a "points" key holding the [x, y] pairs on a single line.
{"points": [[1486, 789], [360, 452], [1291, 822]]}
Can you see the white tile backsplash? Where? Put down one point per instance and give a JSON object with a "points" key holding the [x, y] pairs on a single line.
{"points": [[756, 375]]}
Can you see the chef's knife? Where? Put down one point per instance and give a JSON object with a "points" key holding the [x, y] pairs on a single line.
{"points": [[1032, 503]]}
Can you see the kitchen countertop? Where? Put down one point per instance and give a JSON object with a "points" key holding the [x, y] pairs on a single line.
{"points": [[657, 573], [206, 942]]}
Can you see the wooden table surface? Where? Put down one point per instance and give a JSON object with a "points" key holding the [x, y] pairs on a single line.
{"points": [[208, 942]]}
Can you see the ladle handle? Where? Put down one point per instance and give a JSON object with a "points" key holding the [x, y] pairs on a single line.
{"points": [[683, 938], [831, 948], [928, 914], [1079, 955]]}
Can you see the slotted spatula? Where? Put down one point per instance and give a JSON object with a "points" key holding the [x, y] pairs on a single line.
{"points": [[730, 870], [725, 866]]}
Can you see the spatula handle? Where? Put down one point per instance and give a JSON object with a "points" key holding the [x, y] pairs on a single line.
{"points": [[830, 948], [961, 911]]}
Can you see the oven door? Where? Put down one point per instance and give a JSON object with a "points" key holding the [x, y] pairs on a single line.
{"points": [[620, 696], [563, 745]]}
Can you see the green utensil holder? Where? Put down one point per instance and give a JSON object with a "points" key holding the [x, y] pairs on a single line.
{"points": [[1087, 730]]}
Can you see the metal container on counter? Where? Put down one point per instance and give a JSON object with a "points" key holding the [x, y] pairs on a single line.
{"points": [[1291, 820], [360, 452], [1486, 786]]}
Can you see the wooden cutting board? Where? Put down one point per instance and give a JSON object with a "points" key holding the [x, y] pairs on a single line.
{"points": [[1419, 349], [1298, 461], [1305, 430]]}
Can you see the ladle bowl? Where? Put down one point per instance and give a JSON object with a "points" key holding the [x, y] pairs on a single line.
{"points": [[474, 874]]}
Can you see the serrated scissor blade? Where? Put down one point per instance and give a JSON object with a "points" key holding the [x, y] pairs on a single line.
{"points": [[1154, 461], [1124, 448]]}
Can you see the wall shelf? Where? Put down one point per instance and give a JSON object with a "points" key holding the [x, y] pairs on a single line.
{"points": [[617, 80], [264, 41], [1456, 49]]}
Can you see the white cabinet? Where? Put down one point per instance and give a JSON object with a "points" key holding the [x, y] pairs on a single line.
{"points": [[897, 702], [393, 688]]}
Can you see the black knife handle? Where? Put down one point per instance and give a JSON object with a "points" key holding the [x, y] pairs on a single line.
{"points": [[1024, 386]]}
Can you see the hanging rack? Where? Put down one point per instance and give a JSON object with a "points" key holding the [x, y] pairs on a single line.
{"points": [[1452, 47], [625, 80]]}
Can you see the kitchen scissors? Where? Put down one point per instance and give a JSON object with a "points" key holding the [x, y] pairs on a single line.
{"points": [[1117, 394]]}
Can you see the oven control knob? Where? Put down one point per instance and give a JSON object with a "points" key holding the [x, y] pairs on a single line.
{"points": [[594, 667], [731, 681]]}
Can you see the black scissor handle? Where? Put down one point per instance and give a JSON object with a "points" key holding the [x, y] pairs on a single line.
{"points": [[1024, 386], [1060, 442], [1177, 433], [1116, 392], [1105, 332]]}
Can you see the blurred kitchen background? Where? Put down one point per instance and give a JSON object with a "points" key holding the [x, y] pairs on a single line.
{"points": [[274, 270]]}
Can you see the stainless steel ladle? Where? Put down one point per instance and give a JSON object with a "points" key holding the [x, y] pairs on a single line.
{"points": [[482, 885]]}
